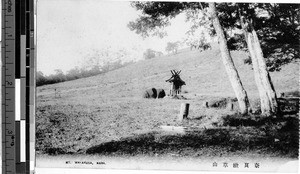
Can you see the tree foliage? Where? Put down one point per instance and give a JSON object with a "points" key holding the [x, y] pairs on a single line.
{"points": [[40, 78], [156, 16], [77, 73], [149, 54], [172, 47], [199, 42], [277, 25]]}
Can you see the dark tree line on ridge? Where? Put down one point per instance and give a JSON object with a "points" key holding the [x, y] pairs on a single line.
{"points": [[76, 73]]}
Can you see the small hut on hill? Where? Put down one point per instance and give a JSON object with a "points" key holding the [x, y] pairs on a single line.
{"points": [[176, 83]]}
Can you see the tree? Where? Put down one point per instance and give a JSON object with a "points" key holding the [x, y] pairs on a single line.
{"points": [[233, 75], [149, 54], [195, 42], [271, 34], [276, 25], [172, 47], [201, 30], [40, 78], [156, 15], [59, 75], [263, 81], [73, 74], [158, 54]]}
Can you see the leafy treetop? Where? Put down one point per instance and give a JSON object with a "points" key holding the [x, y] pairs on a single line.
{"points": [[277, 25]]}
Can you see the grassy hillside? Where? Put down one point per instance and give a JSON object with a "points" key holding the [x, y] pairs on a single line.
{"points": [[87, 112], [204, 74]]}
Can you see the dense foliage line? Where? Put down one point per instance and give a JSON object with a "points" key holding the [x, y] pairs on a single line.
{"points": [[76, 73]]}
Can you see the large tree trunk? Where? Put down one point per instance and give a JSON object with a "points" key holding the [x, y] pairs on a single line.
{"points": [[267, 94], [232, 73]]}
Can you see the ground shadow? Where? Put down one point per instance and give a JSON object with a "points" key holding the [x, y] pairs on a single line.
{"points": [[204, 142]]}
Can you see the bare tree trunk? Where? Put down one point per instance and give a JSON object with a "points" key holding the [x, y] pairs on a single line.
{"points": [[267, 94], [232, 73], [262, 94], [265, 76]]}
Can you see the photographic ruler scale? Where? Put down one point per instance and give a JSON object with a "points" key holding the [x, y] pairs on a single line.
{"points": [[18, 86]]}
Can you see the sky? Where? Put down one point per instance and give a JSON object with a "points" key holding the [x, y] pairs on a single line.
{"points": [[70, 31]]}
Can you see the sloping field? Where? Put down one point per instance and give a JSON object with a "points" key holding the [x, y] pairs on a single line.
{"points": [[85, 113], [204, 74]]}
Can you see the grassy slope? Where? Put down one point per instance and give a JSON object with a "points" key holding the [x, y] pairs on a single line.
{"points": [[203, 73], [108, 107]]}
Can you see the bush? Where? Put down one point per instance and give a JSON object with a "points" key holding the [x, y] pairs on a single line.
{"points": [[149, 54]]}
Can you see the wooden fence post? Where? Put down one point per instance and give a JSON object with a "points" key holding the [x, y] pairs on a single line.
{"points": [[184, 111]]}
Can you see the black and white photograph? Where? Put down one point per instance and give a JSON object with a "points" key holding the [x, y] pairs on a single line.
{"points": [[167, 85]]}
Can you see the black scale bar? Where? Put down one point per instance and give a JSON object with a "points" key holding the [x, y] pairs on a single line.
{"points": [[17, 39]]}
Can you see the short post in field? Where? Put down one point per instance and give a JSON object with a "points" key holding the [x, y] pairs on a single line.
{"points": [[230, 106], [184, 111]]}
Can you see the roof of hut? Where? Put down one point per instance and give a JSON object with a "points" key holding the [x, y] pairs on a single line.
{"points": [[175, 78]]}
